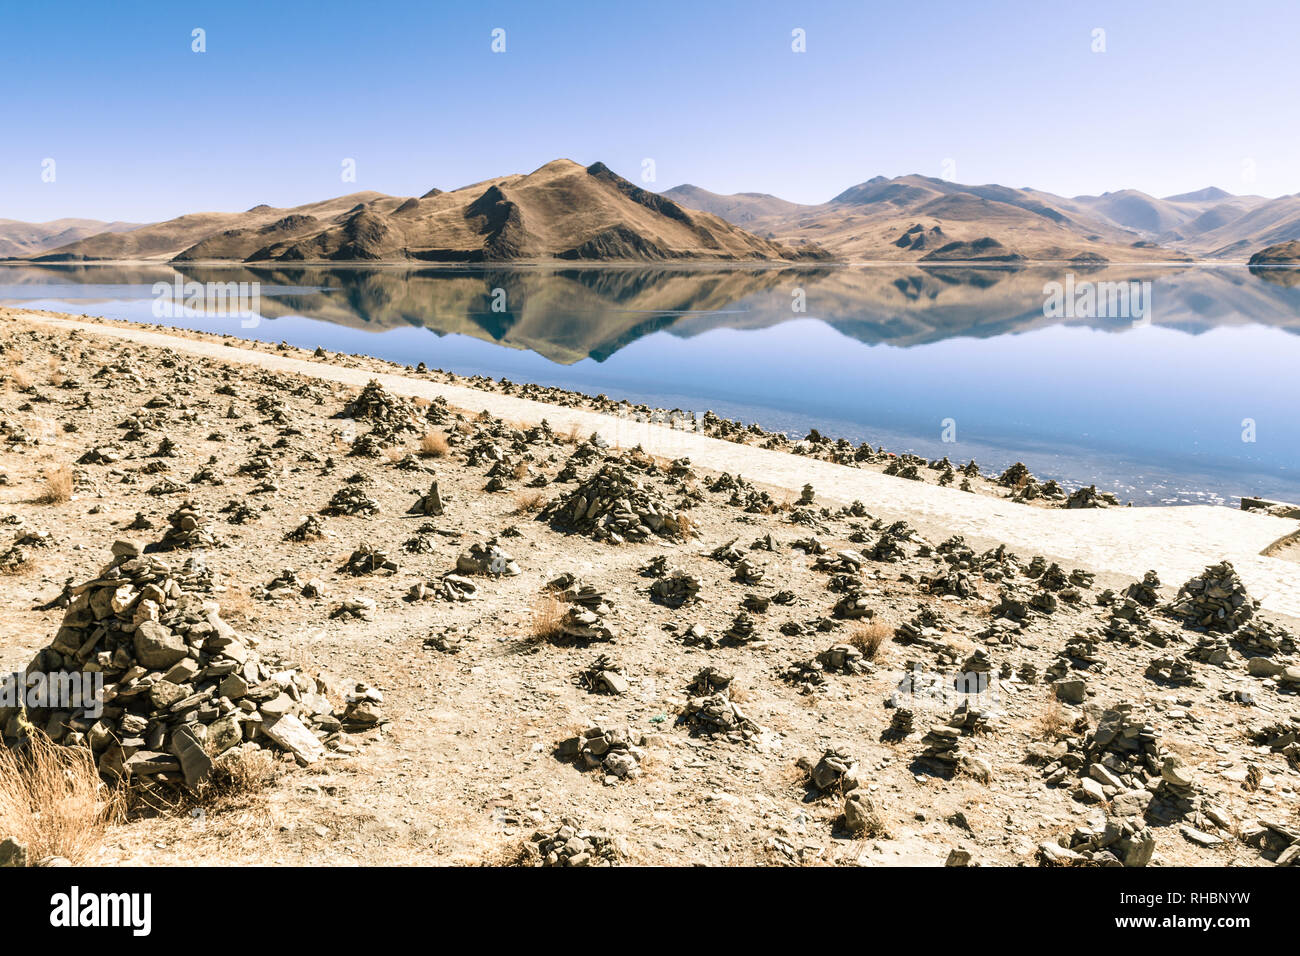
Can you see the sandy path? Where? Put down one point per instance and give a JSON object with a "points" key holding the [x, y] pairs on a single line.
{"points": [[1176, 541]]}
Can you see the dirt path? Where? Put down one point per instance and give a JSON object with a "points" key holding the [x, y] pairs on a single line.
{"points": [[1177, 541]]}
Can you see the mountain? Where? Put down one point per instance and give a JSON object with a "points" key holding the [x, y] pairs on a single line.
{"points": [[166, 240], [21, 239], [560, 211], [912, 217], [1282, 254], [1267, 223], [739, 209]]}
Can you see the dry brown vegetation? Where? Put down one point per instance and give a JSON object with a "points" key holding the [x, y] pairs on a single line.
{"points": [[53, 801], [1051, 723], [869, 638], [529, 502], [237, 778], [547, 615], [57, 487], [434, 445]]}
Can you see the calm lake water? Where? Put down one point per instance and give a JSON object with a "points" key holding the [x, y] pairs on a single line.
{"points": [[1156, 401]]}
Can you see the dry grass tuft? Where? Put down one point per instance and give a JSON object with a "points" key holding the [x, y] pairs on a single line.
{"points": [[548, 614], [58, 486], [53, 801], [529, 502], [869, 638], [238, 778], [19, 379], [1051, 723], [434, 445]]}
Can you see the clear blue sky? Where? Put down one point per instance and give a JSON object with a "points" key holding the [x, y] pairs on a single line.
{"points": [[141, 128]]}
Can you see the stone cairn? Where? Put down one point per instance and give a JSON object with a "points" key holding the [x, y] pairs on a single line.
{"points": [[181, 689], [710, 710], [573, 845], [1121, 762], [1107, 842], [488, 560], [613, 506], [1216, 600], [835, 772], [585, 618], [368, 560], [900, 724], [188, 527], [616, 752], [676, 588], [429, 504], [943, 741], [603, 677]]}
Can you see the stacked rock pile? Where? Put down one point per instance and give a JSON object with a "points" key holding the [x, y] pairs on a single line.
{"points": [[351, 499], [487, 559], [187, 527], [585, 617], [376, 404], [181, 689], [574, 845], [603, 677], [835, 772], [711, 711], [613, 506], [616, 752], [676, 588], [1215, 600], [368, 560], [900, 724], [1107, 842]]}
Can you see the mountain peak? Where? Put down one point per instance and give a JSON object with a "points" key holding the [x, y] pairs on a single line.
{"points": [[1208, 194]]}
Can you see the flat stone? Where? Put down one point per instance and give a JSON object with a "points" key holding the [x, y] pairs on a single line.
{"points": [[291, 734], [188, 749]]}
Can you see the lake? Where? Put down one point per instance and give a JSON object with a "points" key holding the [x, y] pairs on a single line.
{"points": [[1163, 384]]}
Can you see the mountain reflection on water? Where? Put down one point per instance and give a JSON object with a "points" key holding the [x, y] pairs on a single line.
{"points": [[1152, 406]]}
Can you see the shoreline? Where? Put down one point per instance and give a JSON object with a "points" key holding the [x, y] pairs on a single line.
{"points": [[1121, 540]]}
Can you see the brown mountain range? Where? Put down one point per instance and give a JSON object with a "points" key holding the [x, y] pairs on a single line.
{"points": [[564, 211], [20, 239], [560, 211]]}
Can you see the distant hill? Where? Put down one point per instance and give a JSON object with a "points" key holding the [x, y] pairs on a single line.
{"points": [[1283, 254], [740, 209], [23, 239], [560, 211], [910, 217]]}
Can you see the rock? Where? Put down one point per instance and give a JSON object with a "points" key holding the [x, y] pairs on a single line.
{"points": [[837, 769], [291, 734], [156, 647], [613, 506], [487, 559], [1071, 690], [12, 853], [429, 504], [571, 844], [188, 749], [860, 815]]}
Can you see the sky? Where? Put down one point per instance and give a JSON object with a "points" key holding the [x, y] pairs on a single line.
{"points": [[1172, 97]]}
